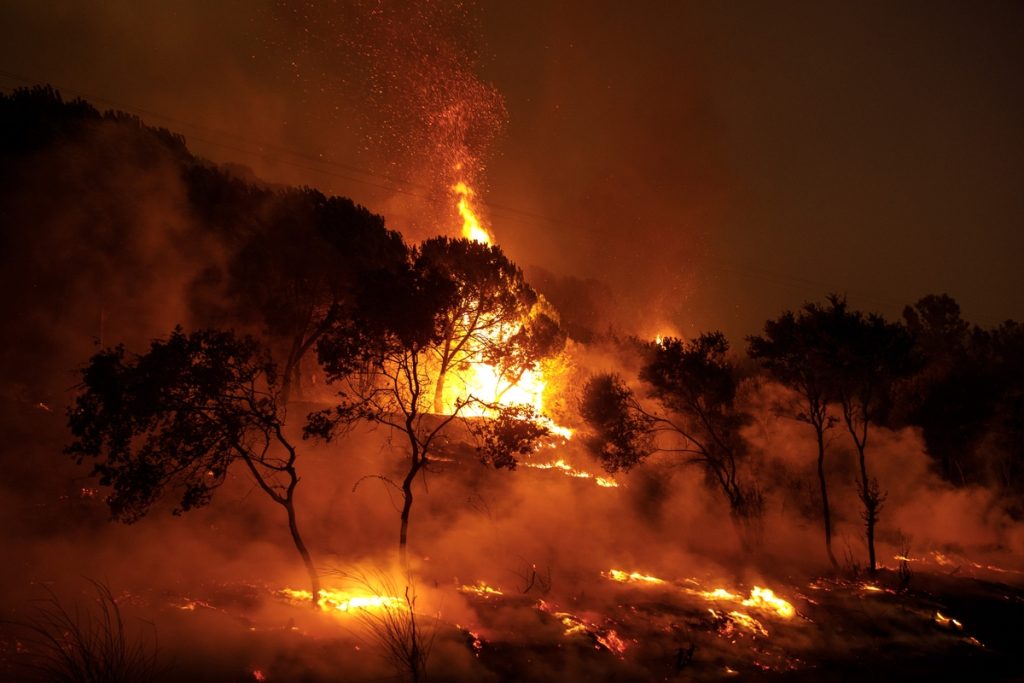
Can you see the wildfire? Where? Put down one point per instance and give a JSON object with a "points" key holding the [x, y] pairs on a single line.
{"points": [[340, 601], [570, 471], [482, 380], [760, 598], [604, 638], [735, 619], [631, 577], [764, 598], [718, 594], [471, 227], [481, 589]]}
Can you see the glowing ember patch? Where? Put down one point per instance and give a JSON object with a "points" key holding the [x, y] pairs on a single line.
{"points": [[339, 601], [480, 588], [948, 622], [765, 598], [187, 604], [630, 577], [605, 638], [258, 675], [611, 641], [478, 379], [735, 619], [478, 645]]}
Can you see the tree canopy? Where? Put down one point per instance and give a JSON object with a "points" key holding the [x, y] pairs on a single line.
{"points": [[172, 422]]}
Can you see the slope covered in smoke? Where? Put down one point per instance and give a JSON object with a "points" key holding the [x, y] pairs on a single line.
{"points": [[114, 233]]}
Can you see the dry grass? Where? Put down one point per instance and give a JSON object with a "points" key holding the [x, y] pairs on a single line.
{"points": [[402, 638], [86, 644]]}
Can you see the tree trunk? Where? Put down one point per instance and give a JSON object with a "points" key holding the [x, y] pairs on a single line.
{"points": [[314, 578], [871, 539], [439, 392], [442, 372], [289, 368], [403, 534], [826, 513], [869, 498]]}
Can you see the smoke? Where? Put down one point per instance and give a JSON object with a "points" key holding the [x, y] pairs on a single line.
{"points": [[101, 250]]}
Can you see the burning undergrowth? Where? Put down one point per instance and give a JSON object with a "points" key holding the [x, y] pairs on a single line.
{"points": [[414, 363], [625, 625], [535, 574]]}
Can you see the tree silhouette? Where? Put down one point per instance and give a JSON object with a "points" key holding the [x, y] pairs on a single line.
{"points": [[381, 358], [177, 418], [869, 356], [795, 349], [954, 391], [297, 274], [485, 316], [622, 430], [696, 381], [694, 385], [540, 336]]}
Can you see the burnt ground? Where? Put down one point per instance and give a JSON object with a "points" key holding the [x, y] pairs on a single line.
{"points": [[843, 630]]}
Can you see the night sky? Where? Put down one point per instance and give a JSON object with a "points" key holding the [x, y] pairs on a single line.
{"points": [[711, 163]]}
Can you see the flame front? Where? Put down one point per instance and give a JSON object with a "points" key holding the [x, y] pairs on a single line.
{"points": [[606, 638], [340, 601], [568, 470], [481, 589], [763, 599], [631, 577], [471, 226], [482, 380]]}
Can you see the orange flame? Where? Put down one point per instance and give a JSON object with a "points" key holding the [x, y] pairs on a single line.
{"points": [[480, 588], [339, 601], [631, 577], [471, 227], [763, 599], [567, 469]]}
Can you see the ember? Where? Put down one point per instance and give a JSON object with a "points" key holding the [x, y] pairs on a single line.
{"points": [[604, 638]]}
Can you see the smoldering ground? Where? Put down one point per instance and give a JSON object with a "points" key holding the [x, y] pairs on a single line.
{"points": [[209, 582]]}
